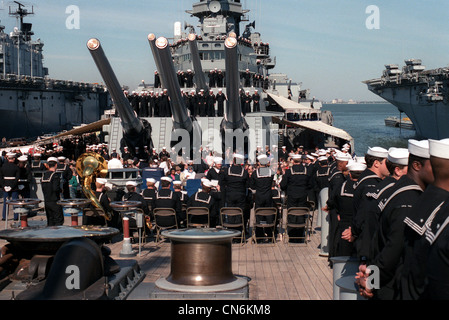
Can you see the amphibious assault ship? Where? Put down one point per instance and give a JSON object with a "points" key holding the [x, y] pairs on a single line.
{"points": [[31, 103], [421, 94]]}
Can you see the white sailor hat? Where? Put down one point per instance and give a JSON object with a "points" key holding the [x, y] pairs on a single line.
{"points": [[398, 156], [322, 158], [439, 148], [310, 157], [218, 160], [239, 156], [356, 166], [23, 158], [37, 155], [177, 182], [206, 183], [419, 148], [360, 159], [151, 180], [263, 159], [61, 158], [11, 154], [166, 179], [52, 159], [131, 183], [377, 152], [101, 180], [296, 156], [341, 156]]}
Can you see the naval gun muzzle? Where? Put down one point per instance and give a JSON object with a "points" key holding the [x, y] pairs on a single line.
{"points": [[199, 74], [136, 132], [183, 122], [233, 124]]}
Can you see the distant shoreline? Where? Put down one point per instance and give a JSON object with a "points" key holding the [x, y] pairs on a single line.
{"points": [[356, 102]]}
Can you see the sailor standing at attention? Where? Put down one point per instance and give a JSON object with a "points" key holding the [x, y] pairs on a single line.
{"points": [[388, 240], [412, 277], [51, 188], [9, 177]]}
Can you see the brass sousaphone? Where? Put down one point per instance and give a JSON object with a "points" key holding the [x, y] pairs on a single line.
{"points": [[89, 166]]}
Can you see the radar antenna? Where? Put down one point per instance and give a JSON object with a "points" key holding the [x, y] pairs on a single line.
{"points": [[20, 12]]}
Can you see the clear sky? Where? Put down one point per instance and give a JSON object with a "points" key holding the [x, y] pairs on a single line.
{"points": [[325, 44]]}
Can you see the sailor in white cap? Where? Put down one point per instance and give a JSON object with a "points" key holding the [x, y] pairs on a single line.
{"points": [[216, 172], [394, 206], [208, 199], [342, 202], [96, 217], [221, 98], [420, 220], [376, 171], [260, 184], [9, 176], [66, 174], [149, 193], [235, 184], [132, 194], [25, 177], [166, 198], [51, 189]]}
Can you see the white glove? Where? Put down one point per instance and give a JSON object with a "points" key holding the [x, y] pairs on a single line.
{"points": [[7, 189], [21, 187]]}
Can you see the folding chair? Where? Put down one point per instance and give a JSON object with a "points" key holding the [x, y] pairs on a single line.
{"points": [[232, 218], [265, 218], [297, 218], [312, 208], [164, 219], [198, 217]]}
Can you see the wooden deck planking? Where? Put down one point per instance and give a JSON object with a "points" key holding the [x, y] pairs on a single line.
{"points": [[279, 272]]}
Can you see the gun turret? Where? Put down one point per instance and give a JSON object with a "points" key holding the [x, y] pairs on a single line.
{"points": [[136, 132], [199, 74], [234, 124], [181, 118]]}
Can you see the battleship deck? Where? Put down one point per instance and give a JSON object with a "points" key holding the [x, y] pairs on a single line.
{"points": [[279, 272]]}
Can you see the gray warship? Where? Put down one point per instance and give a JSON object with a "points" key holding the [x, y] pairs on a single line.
{"points": [[197, 61], [421, 94], [31, 103]]}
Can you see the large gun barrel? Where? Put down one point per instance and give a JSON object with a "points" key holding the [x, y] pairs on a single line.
{"points": [[135, 132], [181, 117], [168, 74], [233, 118], [157, 60], [199, 74]]}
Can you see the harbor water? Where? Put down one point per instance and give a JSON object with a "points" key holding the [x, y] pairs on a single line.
{"points": [[365, 123]]}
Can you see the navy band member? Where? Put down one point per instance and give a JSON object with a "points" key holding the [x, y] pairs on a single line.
{"points": [[166, 198], [235, 185], [205, 198], [51, 188], [9, 177]]}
